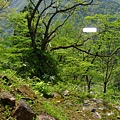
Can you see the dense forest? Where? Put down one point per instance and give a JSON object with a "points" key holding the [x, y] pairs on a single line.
{"points": [[58, 70]]}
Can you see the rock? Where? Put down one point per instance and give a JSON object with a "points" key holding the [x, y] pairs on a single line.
{"points": [[86, 108], [56, 95], [117, 108], [97, 115], [7, 98], [109, 113], [99, 101], [43, 117], [91, 93], [118, 117], [65, 93], [101, 108], [27, 92], [94, 99], [23, 112], [86, 102]]}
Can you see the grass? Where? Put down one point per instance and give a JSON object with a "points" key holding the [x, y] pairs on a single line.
{"points": [[55, 111], [61, 108]]}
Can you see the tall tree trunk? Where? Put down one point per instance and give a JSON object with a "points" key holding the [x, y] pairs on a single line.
{"points": [[44, 45], [105, 87], [88, 83], [33, 43], [89, 87]]}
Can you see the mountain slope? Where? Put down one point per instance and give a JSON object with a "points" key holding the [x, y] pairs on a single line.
{"points": [[102, 7], [18, 4]]}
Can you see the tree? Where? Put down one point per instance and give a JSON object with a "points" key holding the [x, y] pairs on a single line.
{"points": [[3, 14], [109, 45], [42, 22], [97, 58], [47, 17], [3, 8], [38, 28]]}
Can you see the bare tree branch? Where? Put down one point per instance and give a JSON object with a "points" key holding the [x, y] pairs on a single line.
{"points": [[87, 52], [56, 9], [75, 6], [59, 26], [35, 9], [34, 5], [40, 15]]}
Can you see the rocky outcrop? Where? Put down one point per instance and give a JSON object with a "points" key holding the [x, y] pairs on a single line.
{"points": [[92, 108], [27, 92], [20, 109], [97, 107], [23, 112], [7, 98]]}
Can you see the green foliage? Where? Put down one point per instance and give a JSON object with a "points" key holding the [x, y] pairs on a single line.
{"points": [[38, 64], [42, 68], [19, 23], [22, 57], [42, 87]]}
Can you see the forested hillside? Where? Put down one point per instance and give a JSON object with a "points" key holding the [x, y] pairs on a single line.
{"points": [[51, 69], [105, 7]]}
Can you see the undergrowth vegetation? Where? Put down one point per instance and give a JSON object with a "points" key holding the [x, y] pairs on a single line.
{"points": [[61, 107]]}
